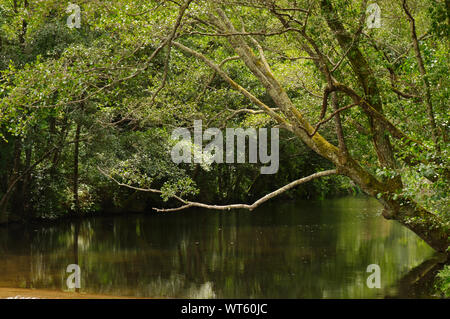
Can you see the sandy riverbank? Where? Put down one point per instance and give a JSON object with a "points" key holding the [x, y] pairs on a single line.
{"points": [[51, 294]]}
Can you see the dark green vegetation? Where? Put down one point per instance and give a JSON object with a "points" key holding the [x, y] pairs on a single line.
{"points": [[443, 281], [372, 104]]}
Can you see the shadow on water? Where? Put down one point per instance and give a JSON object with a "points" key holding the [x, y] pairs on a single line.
{"points": [[298, 249]]}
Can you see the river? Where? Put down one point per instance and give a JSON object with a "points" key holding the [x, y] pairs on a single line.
{"points": [[291, 249]]}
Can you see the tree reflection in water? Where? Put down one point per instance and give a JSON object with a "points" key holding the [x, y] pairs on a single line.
{"points": [[282, 250]]}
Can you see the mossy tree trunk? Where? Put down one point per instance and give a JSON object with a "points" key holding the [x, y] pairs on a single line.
{"points": [[428, 226]]}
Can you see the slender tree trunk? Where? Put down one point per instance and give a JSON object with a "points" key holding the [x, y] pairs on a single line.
{"points": [[339, 131], [75, 169], [24, 29], [62, 137], [12, 180], [423, 73], [26, 181]]}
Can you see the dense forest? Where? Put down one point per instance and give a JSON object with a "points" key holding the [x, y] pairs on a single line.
{"points": [[90, 95]]}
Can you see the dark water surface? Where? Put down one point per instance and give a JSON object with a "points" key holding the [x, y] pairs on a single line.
{"points": [[282, 250]]}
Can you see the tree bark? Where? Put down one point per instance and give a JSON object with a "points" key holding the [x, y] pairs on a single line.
{"points": [[367, 81], [76, 199]]}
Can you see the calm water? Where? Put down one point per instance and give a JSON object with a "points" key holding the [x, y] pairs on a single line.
{"points": [[282, 250]]}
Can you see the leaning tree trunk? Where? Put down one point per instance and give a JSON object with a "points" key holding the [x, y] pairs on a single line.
{"points": [[430, 227], [426, 225]]}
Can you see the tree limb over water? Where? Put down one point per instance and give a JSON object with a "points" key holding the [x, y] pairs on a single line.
{"points": [[189, 204]]}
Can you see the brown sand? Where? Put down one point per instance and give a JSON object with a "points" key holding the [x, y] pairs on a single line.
{"points": [[51, 294]]}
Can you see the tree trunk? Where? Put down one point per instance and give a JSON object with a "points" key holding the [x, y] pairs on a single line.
{"points": [[423, 73], [426, 225], [76, 199], [11, 181]]}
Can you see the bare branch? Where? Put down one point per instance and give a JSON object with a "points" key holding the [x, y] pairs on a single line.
{"points": [[230, 34], [169, 48], [251, 207], [148, 190], [253, 5], [331, 116], [405, 95], [260, 201], [375, 114], [231, 58]]}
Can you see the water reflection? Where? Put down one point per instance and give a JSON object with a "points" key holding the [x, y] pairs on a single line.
{"points": [[282, 250]]}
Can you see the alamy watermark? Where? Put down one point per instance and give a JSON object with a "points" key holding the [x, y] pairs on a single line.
{"points": [[74, 279], [216, 151], [373, 13], [374, 279], [74, 20]]}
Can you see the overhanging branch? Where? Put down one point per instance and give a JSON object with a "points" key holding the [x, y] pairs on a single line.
{"points": [[188, 204]]}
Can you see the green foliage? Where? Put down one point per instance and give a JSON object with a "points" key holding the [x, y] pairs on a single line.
{"points": [[443, 281], [55, 79]]}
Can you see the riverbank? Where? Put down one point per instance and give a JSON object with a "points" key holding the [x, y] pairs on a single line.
{"points": [[23, 293]]}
